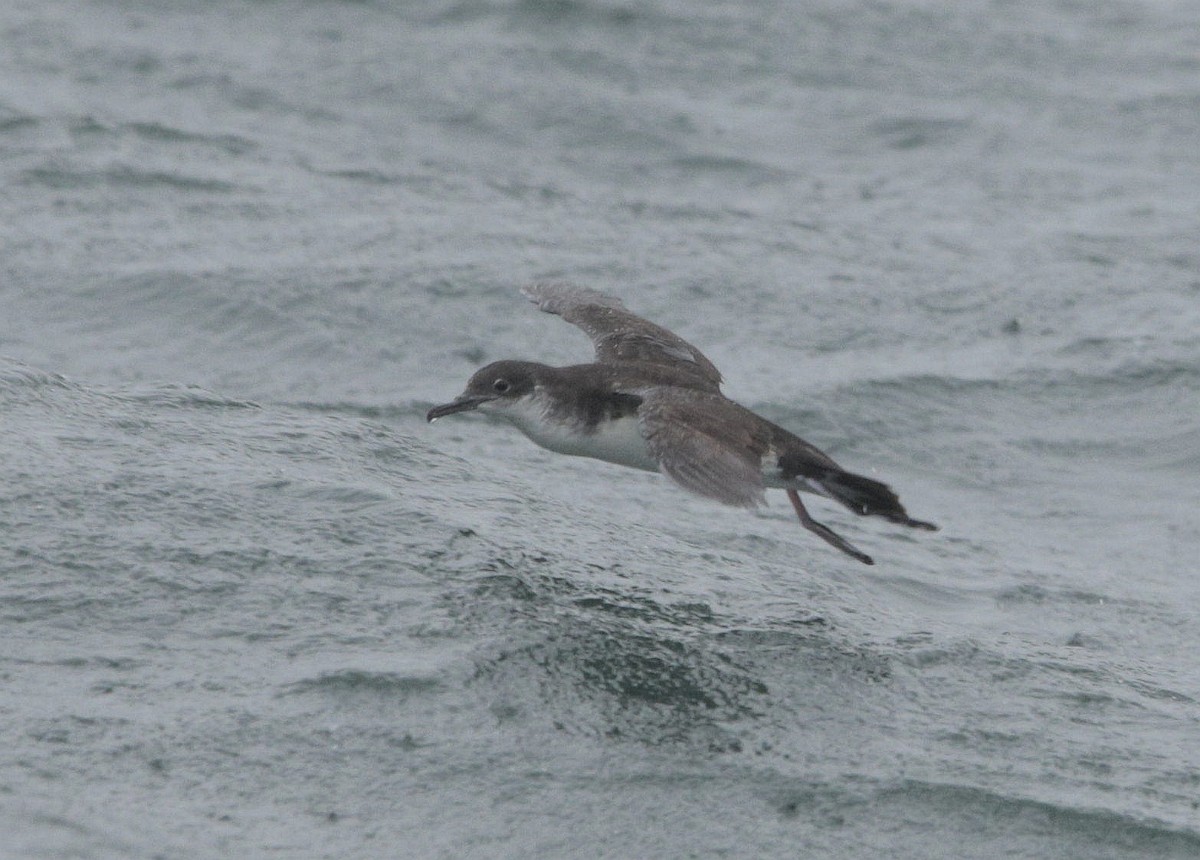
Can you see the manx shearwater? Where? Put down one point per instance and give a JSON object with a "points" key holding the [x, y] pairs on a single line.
{"points": [[653, 401]]}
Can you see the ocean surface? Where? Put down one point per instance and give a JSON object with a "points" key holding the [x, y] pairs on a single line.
{"points": [[252, 605]]}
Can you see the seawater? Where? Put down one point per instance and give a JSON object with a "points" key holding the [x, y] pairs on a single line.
{"points": [[253, 605]]}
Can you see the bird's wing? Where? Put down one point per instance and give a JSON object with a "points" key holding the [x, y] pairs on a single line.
{"points": [[620, 335], [703, 443]]}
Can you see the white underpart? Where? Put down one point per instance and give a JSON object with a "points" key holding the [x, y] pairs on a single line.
{"points": [[773, 480], [617, 441]]}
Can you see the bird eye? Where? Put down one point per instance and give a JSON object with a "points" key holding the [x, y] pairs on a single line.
{"points": [[501, 385]]}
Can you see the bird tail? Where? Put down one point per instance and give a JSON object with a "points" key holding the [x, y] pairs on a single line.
{"points": [[868, 497]]}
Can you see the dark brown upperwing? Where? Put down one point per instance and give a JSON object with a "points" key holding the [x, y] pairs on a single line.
{"points": [[617, 333]]}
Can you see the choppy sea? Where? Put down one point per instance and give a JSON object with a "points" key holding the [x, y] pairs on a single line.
{"points": [[252, 605]]}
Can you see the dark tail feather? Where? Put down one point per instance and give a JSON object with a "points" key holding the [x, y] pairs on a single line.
{"points": [[869, 497]]}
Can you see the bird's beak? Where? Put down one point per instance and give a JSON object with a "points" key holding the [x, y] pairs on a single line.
{"points": [[461, 403]]}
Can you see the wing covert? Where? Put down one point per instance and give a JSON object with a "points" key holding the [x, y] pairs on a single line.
{"points": [[617, 333], [700, 446]]}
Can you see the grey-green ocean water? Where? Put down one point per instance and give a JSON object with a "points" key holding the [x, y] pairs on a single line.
{"points": [[252, 605]]}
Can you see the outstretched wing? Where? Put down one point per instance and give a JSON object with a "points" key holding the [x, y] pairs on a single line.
{"points": [[618, 334], [703, 443]]}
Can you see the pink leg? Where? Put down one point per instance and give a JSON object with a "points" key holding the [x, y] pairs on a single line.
{"points": [[824, 532]]}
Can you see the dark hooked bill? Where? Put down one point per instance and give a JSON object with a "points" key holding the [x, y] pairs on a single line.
{"points": [[458, 404]]}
